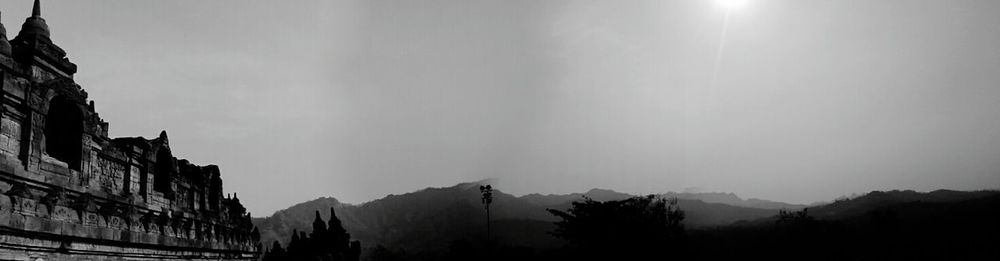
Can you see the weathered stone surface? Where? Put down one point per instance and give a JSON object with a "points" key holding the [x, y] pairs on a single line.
{"points": [[69, 192]]}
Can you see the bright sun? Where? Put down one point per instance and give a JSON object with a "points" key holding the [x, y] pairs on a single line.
{"points": [[732, 4]]}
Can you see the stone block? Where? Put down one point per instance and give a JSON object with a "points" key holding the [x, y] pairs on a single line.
{"points": [[16, 221], [46, 225], [85, 231], [5, 218], [114, 234], [59, 180], [32, 223], [69, 229], [147, 238], [10, 166], [125, 236], [42, 211], [5, 203], [91, 219], [105, 233]]}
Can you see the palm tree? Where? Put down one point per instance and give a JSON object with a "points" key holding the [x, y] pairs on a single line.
{"points": [[487, 199]]}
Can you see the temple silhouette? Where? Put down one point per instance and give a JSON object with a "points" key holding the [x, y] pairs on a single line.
{"points": [[70, 192]]}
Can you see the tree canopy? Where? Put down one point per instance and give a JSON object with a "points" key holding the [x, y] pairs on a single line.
{"points": [[632, 226]]}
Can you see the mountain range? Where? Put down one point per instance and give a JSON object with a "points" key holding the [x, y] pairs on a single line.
{"points": [[413, 220], [433, 218]]}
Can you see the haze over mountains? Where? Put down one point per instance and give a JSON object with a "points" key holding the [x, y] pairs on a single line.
{"points": [[432, 218], [456, 213], [708, 197]]}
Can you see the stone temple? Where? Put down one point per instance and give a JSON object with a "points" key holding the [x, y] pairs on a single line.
{"points": [[69, 192]]}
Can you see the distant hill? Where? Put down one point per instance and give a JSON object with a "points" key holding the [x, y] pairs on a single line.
{"points": [[711, 197], [879, 199], [889, 225], [427, 219], [432, 218], [845, 209], [559, 199], [733, 200]]}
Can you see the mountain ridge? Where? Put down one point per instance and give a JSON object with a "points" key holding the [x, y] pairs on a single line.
{"points": [[390, 220], [432, 218]]}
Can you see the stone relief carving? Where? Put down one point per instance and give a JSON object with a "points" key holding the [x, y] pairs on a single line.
{"points": [[56, 197], [84, 203], [109, 210], [162, 221], [148, 221], [21, 198], [110, 175]]}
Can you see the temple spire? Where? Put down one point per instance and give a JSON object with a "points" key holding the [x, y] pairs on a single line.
{"points": [[36, 11], [35, 25], [4, 44]]}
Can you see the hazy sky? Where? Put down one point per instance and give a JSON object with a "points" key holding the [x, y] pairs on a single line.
{"points": [[807, 101]]}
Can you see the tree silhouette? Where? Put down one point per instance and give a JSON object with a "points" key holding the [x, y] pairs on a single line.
{"points": [[797, 223], [487, 200], [633, 227]]}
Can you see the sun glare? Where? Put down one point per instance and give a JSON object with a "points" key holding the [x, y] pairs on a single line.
{"points": [[732, 4]]}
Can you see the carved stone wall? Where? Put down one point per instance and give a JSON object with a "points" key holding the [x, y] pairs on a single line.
{"points": [[72, 192]]}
